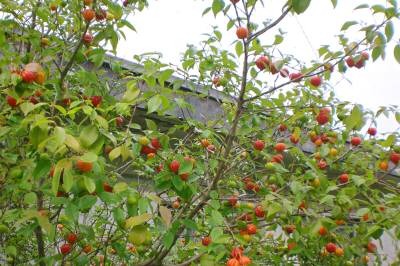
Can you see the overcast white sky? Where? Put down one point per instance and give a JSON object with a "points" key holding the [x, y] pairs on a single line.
{"points": [[167, 26]]}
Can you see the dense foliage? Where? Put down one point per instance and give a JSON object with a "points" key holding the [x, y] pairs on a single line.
{"points": [[104, 170]]}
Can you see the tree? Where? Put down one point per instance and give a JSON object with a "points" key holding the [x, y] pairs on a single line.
{"points": [[287, 175]]}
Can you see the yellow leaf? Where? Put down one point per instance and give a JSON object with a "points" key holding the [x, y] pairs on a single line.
{"points": [[166, 215], [115, 153], [72, 143], [137, 220]]}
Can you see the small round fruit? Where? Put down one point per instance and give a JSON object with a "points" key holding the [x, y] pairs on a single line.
{"points": [[350, 61], [143, 140], [71, 238], [232, 262], [322, 165], [282, 128], [28, 76], [284, 73], [295, 77], [290, 229], [87, 249], [291, 245], [330, 247], [372, 131], [119, 121], [316, 182], [344, 178], [232, 200], [333, 152], [322, 118], [259, 211], [242, 33], [107, 187], [205, 143], [262, 62], [316, 81], [174, 166], [155, 143], [11, 101], [96, 100], [259, 145], [339, 252], [65, 249], [184, 176], [251, 229], [84, 166], [88, 14], [87, 38], [322, 231], [206, 241], [395, 157], [235, 1], [294, 139], [280, 147], [355, 141], [371, 247], [244, 260], [176, 204], [384, 166]]}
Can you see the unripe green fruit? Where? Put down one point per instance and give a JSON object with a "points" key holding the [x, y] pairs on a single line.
{"points": [[132, 199], [15, 173], [270, 166], [3, 229]]}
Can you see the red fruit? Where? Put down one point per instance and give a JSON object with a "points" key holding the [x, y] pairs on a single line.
{"points": [[273, 187], [282, 128], [277, 158], [174, 166], [184, 176], [322, 165], [322, 118], [246, 217], [350, 61], [250, 185], [119, 121], [206, 241], [205, 143], [33, 99], [296, 76], [247, 179], [87, 249], [216, 81], [38, 93], [28, 76], [107, 187], [325, 110], [125, 3], [395, 157], [88, 14], [71, 238], [87, 38], [290, 228], [235, 1], [232, 200], [315, 81], [322, 231], [65, 249], [242, 33], [273, 68], [66, 101], [155, 143], [232, 262], [262, 62], [330, 247], [364, 55], [365, 217], [355, 141], [88, 2], [284, 72], [101, 15], [237, 252], [291, 245], [147, 150], [259, 145], [108, 149], [52, 169], [372, 131], [244, 260], [11, 101], [371, 247], [360, 63], [302, 205], [96, 100], [256, 188], [280, 147], [259, 212], [294, 139], [344, 178], [159, 168], [84, 166], [211, 148], [251, 229]]}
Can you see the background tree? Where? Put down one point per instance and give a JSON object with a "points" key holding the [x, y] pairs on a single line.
{"points": [[289, 174]]}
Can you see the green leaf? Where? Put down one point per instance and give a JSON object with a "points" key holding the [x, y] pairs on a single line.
{"points": [[88, 136], [89, 184], [68, 180], [137, 220], [389, 31], [120, 187], [334, 3], [168, 239], [42, 168], [87, 202], [355, 119], [185, 167], [397, 115], [30, 198], [115, 153], [138, 235], [300, 6], [177, 182], [154, 103], [361, 6], [72, 143], [239, 48], [217, 6], [348, 24], [358, 180], [397, 53], [89, 157]]}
